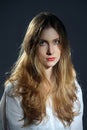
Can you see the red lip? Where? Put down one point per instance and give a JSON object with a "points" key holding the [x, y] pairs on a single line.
{"points": [[51, 59]]}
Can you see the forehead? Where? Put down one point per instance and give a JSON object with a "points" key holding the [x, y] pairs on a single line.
{"points": [[49, 33]]}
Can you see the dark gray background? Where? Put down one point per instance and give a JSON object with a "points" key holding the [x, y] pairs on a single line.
{"points": [[14, 18]]}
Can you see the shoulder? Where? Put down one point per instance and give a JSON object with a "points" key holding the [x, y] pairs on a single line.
{"points": [[79, 96], [79, 89], [10, 93], [9, 88]]}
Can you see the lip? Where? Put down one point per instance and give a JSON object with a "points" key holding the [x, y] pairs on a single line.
{"points": [[51, 59]]}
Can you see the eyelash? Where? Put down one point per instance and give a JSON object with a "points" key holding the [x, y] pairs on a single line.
{"points": [[57, 42], [43, 42]]}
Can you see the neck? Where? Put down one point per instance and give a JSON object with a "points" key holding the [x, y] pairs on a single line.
{"points": [[48, 73]]}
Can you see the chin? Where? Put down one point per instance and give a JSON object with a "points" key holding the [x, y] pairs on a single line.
{"points": [[50, 66]]}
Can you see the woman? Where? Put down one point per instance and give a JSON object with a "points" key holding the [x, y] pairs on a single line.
{"points": [[42, 92]]}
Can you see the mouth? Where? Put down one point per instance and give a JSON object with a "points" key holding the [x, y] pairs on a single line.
{"points": [[51, 59]]}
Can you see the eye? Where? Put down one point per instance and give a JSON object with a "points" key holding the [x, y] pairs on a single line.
{"points": [[42, 42], [56, 41]]}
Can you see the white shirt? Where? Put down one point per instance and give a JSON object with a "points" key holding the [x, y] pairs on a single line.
{"points": [[11, 112]]}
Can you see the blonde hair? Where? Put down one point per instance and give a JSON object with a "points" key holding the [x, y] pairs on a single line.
{"points": [[29, 74]]}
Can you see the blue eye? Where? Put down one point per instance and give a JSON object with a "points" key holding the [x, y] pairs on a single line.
{"points": [[42, 43], [56, 42]]}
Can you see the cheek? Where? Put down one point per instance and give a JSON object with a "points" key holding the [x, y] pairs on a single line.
{"points": [[41, 52], [59, 50], [59, 54]]}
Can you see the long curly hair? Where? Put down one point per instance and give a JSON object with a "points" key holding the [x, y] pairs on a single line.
{"points": [[30, 76]]}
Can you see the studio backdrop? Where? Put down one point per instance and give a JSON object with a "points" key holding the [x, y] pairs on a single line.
{"points": [[14, 18]]}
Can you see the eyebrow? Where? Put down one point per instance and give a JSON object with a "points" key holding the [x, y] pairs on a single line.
{"points": [[47, 41], [57, 39]]}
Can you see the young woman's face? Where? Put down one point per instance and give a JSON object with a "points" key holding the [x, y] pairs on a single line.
{"points": [[49, 50]]}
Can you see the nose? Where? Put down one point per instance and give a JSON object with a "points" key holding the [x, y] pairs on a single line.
{"points": [[50, 49]]}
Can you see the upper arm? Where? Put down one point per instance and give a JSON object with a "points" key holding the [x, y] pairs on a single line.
{"points": [[11, 111], [14, 111], [77, 123]]}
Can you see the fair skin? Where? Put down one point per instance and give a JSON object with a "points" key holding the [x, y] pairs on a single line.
{"points": [[49, 50]]}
